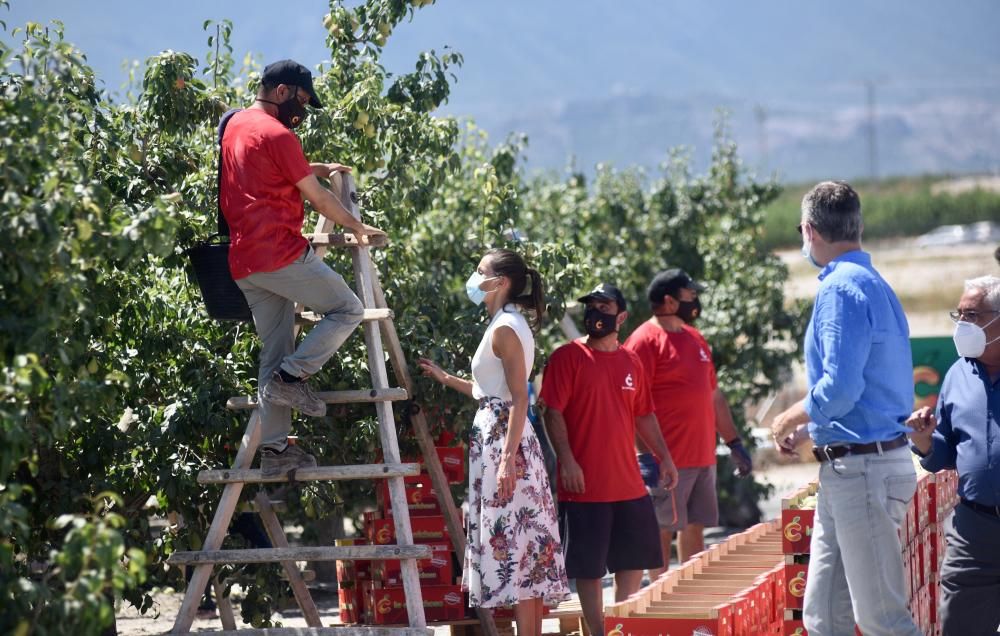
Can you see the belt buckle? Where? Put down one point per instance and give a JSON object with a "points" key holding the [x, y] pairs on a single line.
{"points": [[827, 452]]}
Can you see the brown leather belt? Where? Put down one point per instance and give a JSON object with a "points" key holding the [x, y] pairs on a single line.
{"points": [[831, 452]]}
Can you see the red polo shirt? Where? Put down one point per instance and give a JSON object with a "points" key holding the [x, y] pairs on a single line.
{"points": [[261, 163], [600, 394], [681, 377]]}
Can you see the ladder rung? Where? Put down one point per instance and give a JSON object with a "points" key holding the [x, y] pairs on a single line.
{"points": [[303, 553], [320, 473], [356, 396], [354, 630], [341, 239], [380, 313]]}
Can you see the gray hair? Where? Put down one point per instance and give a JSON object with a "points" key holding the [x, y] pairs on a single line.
{"points": [[990, 286], [833, 208]]}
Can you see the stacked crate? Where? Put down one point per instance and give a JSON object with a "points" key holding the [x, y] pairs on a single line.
{"points": [[731, 589], [798, 510], [936, 497], [372, 592], [754, 582]]}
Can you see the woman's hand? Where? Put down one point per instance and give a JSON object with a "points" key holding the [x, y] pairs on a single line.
{"points": [[432, 370], [506, 476]]}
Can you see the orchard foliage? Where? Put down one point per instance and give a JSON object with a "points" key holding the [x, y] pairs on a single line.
{"points": [[113, 381]]}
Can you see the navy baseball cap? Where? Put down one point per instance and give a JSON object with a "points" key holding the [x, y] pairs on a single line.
{"points": [[669, 282], [291, 73], [605, 291]]}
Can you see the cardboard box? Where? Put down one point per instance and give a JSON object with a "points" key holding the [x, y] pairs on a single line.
{"points": [[713, 622], [421, 499], [436, 570], [452, 460], [796, 533], [350, 605], [387, 605], [429, 529], [349, 571], [795, 584]]}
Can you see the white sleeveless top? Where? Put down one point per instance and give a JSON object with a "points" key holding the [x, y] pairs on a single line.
{"points": [[488, 379]]}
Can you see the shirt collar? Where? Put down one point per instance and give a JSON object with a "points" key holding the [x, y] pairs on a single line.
{"points": [[858, 257]]}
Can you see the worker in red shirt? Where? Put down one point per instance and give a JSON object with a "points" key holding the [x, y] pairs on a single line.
{"points": [[690, 408], [264, 178], [596, 399]]}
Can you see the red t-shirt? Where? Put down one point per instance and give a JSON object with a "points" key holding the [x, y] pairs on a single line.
{"points": [[261, 163], [600, 394], [682, 380]]}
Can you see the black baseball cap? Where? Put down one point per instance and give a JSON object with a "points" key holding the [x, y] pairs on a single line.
{"points": [[291, 73], [605, 291], [669, 282]]}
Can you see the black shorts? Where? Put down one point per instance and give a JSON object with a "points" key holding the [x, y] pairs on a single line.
{"points": [[613, 536]]}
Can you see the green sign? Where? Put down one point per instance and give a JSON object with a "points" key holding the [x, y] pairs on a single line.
{"points": [[932, 357]]}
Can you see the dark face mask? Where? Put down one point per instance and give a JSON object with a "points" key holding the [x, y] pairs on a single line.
{"points": [[597, 323], [291, 113], [689, 310]]}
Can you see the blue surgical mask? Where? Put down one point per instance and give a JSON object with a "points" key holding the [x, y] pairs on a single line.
{"points": [[807, 250], [476, 294]]}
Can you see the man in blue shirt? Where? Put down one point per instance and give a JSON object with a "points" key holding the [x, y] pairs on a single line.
{"points": [[860, 376], [967, 438]]}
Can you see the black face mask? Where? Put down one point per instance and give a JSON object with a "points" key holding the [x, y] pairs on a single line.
{"points": [[291, 113], [689, 310], [597, 323]]}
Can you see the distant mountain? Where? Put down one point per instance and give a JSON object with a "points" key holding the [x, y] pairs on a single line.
{"points": [[625, 81]]}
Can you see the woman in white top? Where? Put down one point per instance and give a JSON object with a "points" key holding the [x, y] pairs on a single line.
{"points": [[513, 555]]}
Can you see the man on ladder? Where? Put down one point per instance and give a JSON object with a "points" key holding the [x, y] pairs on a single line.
{"points": [[264, 178]]}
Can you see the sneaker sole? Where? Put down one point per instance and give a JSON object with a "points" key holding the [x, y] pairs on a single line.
{"points": [[267, 397]]}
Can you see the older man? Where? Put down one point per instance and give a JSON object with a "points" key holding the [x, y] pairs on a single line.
{"points": [[967, 420], [860, 377]]}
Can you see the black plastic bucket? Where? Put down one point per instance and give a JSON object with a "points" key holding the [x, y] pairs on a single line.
{"points": [[224, 300]]}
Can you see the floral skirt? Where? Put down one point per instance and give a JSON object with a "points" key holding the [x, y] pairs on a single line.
{"points": [[513, 551]]}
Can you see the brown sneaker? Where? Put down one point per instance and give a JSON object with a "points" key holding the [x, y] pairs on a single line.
{"points": [[274, 463], [296, 395]]}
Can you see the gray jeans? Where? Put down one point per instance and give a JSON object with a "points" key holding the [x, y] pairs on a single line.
{"points": [[856, 564], [970, 574], [272, 297]]}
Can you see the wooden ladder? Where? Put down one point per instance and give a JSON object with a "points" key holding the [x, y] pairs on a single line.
{"points": [[382, 395]]}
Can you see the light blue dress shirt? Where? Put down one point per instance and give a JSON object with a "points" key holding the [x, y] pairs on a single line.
{"points": [[858, 360]]}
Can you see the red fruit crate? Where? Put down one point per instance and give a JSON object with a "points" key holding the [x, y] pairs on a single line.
{"points": [[795, 584], [452, 460], [430, 529], [350, 604], [421, 500], [387, 605], [714, 621], [348, 571], [436, 570]]}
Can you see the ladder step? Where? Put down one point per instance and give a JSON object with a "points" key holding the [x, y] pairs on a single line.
{"points": [[320, 473], [370, 315], [303, 553], [341, 239], [352, 630], [356, 396]]}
